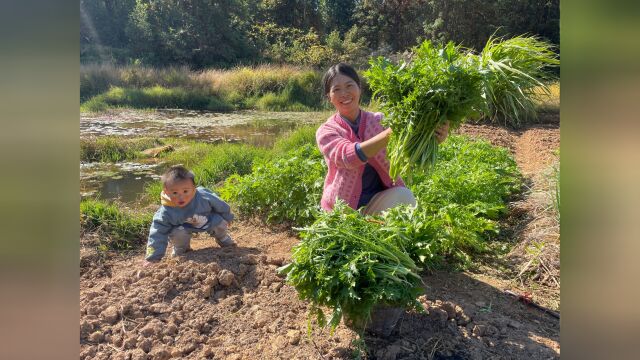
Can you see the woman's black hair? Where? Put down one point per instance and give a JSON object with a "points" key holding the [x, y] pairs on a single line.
{"points": [[341, 68]]}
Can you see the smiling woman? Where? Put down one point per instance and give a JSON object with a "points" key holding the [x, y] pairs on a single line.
{"points": [[353, 143]]}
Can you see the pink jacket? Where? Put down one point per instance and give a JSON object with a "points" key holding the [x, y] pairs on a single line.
{"points": [[337, 141]]}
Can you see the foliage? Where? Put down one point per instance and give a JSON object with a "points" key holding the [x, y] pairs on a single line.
{"points": [[472, 22], [263, 87], [469, 172], [226, 33], [114, 149], [211, 164], [286, 189], [516, 71], [120, 229], [458, 203], [436, 237], [440, 83], [155, 97], [305, 135], [350, 264]]}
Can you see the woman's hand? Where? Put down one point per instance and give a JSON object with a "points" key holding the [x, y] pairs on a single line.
{"points": [[442, 132]]}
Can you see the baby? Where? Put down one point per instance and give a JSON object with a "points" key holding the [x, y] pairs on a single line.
{"points": [[186, 209]]}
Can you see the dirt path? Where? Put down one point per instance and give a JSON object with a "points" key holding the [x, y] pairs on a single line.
{"points": [[230, 304]]}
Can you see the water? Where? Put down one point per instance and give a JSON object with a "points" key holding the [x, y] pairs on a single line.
{"points": [[259, 128], [126, 181], [122, 181]]}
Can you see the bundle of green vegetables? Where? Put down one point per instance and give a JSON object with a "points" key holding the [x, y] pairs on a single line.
{"points": [[443, 83], [350, 264], [438, 84]]}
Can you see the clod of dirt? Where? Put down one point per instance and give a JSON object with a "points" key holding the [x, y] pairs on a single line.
{"points": [[110, 314], [439, 316], [96, 337], [160, 354], [226, 277], [160, 308], [138, 354], [261, 319], [249, 260], [130, 342], [514, 324], [278, 261], [479, 330], [294, 337], [450, 308], [85, 328], [145, 345]]}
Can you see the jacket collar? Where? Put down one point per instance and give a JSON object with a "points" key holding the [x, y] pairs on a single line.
{"points": [[343, 123]]}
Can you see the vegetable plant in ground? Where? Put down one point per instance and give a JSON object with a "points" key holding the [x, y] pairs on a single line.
{"points": [[350, 265], [286, 189]]}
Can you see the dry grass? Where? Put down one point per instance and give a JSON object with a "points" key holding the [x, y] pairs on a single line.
{"points": [[550, 99], [537, 256]]}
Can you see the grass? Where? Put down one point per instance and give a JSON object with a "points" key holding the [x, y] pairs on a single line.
{"points": [[96, 79], [119, 228], [548, 100], [266, 87], [114, 149], [155, 97], [299, 137], [210, 163]]}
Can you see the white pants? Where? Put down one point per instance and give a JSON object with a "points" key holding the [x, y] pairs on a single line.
{"points": [[180, 237], [389, 198]]}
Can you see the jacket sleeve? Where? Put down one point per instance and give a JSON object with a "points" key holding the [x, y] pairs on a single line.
{"points": [[337, 149], [158, 236], [218, 205]]}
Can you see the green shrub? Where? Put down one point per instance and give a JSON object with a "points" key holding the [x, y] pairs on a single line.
{"points": [[469, 172], [119, 229], [287, 189]]}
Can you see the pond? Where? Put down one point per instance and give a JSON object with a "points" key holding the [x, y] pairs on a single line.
{"points": [[126, 181], [259, 128]]}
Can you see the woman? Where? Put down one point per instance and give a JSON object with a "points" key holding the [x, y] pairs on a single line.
{"points": [[354, 143]]}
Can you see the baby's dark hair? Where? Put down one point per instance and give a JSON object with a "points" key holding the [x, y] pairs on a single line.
{"points": [[177, 173], [340, 68]]}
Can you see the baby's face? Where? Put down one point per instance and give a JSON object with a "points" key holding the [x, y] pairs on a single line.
{"points": [[180, 192]]}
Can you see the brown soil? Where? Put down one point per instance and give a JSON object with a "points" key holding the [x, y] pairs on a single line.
{"points": [[219, 303]]}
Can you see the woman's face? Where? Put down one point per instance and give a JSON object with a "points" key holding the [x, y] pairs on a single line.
{"points": [[344, 94]]}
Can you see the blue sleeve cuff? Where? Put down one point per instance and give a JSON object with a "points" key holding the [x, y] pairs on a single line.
{"points": [[360, 153]]}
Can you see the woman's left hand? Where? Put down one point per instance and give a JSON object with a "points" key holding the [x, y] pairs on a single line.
{"points": [[442, 132]]}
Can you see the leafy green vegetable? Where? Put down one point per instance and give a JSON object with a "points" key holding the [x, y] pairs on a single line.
{"points": [[443, 83], [285, 189], [440, 83], [350, 264]]}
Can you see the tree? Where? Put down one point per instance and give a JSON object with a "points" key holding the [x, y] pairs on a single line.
{"points": [[194, 32]]}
